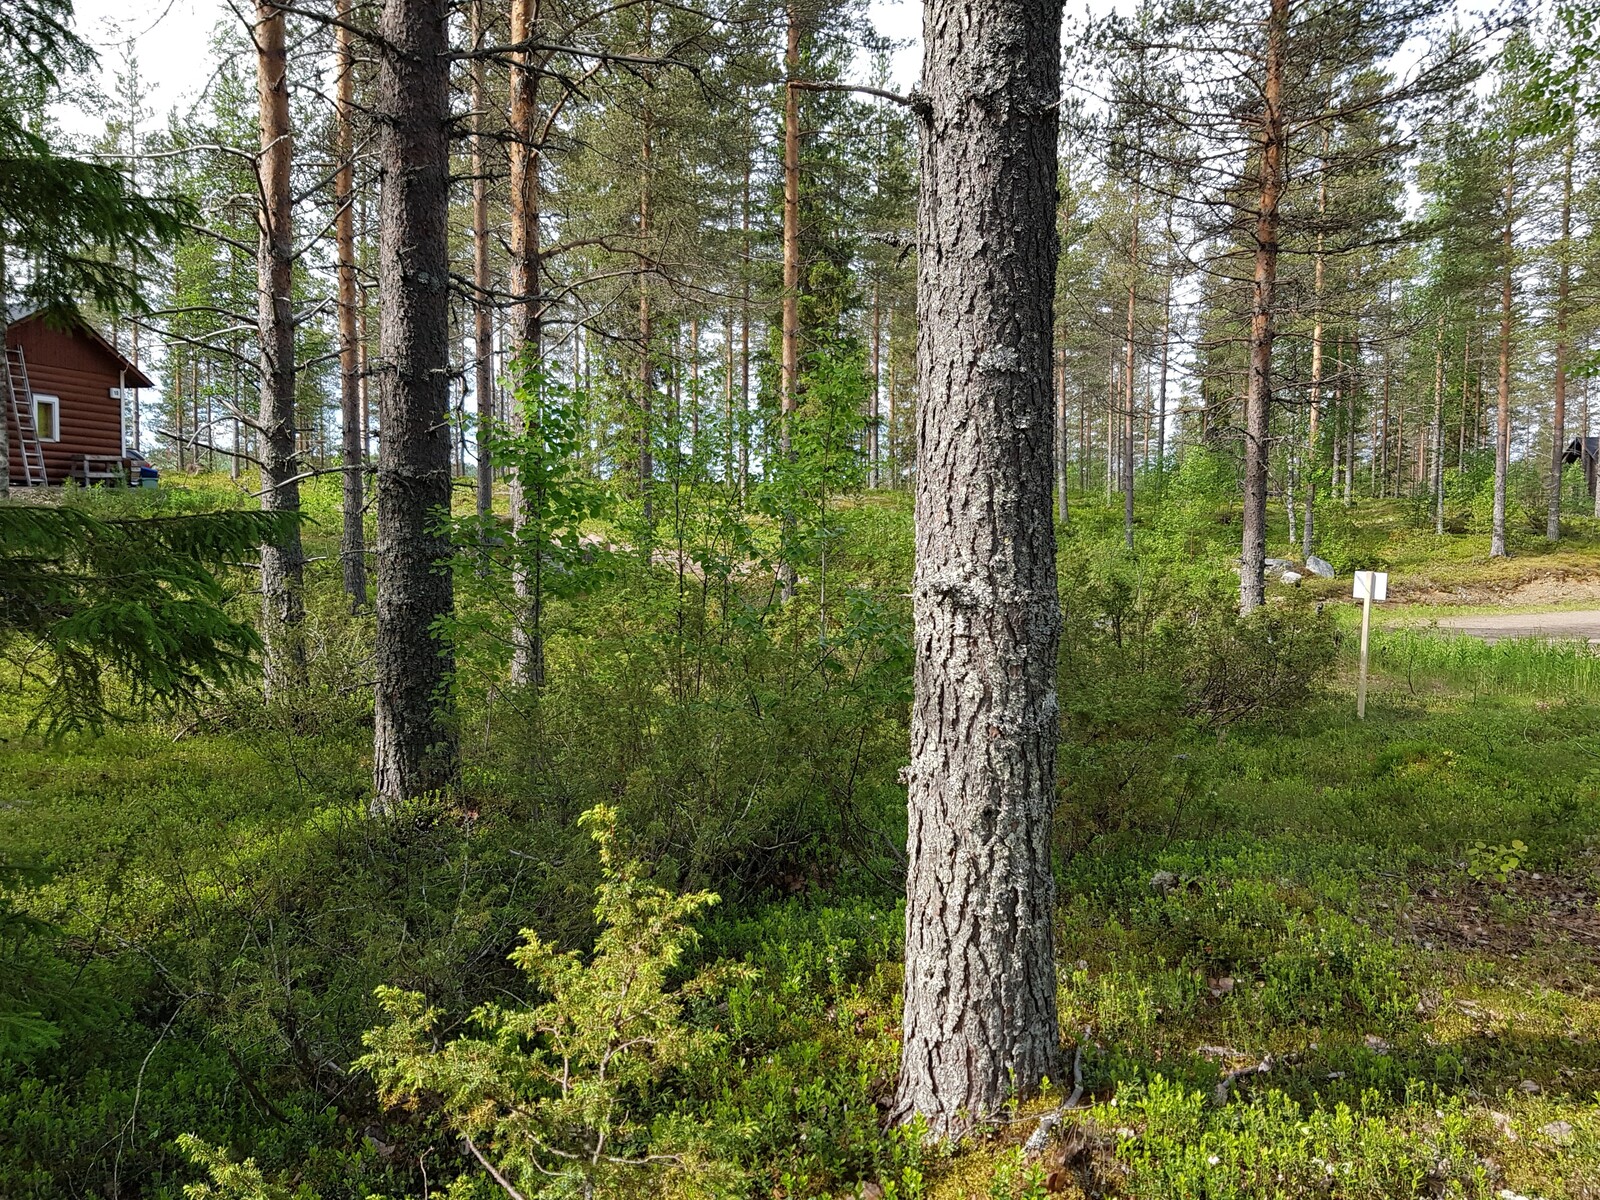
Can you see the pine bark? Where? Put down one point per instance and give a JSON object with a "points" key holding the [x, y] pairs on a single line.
{"points": [[980, 1018], [647, 370], [1318, 270], [1062, 513], [1502, 419], [527, 267], [1127, 372], [877, 384], [482, 307], [414, 745], [282, 563], [1558, 417], [1161, 389], [353, 542], [789, 366], [1258, 394], [1436, 477]]}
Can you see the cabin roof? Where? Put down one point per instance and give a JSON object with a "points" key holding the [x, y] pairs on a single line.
{"points": [[79, 324]]}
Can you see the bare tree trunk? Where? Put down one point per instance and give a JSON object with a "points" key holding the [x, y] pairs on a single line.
{"points": [[1381, 450], [1111, 427], [1161, 391], [1127, 372], [482, 307], [789, 367], [1502, 420], [647, 373], [890, 461], [1558, 419], [527, 576], [414, 742], [1351, 413], [1061, 433], [730, 448], [694, 384], [744, 334], [980, 1018], [1258, 395], [1436, 480], [353, 541], [877, 378], [1084, 442], [282, 564], [1308, 538]]}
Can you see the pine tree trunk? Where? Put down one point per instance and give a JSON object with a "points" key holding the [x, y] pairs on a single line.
{"points": [[1308, 538], [282, 564], [980, 1019], [353, 542], [1127, 373], [789, 366], [482, 307], [647, 372], [1258, 395], [744, 334], [877, 380], [414, 745], [1161, 391], [1061, 433], [1381, 454], [527, 635], [1502, 420], [730, 448], [1558, 418], [1436, 479], [1351, 414]]}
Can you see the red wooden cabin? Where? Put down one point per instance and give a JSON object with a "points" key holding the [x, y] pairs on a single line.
{"points": [[63, 400]]}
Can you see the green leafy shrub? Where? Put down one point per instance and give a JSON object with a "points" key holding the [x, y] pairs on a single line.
{"points": [[548, 1096], [1485, 862]]}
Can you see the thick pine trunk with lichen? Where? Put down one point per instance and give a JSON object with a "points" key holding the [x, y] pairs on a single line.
{"points": [[414, 747], [980, 1018]]}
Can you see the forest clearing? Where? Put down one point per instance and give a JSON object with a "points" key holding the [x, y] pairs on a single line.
{"points": [[633, 601]]}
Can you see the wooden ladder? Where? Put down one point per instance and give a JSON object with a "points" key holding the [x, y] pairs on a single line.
{"points": [[23, 410]]}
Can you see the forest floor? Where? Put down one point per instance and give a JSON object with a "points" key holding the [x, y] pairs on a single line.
{"points": [[1301, 956]]}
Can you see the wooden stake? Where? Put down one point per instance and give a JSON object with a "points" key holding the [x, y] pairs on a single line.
{"points": [[1366, 629]]}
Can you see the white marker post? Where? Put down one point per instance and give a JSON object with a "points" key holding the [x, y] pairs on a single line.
{"points": [[1369, 586]]}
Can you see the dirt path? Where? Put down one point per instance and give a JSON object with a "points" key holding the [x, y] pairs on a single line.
{"points": [[1583, 625]]}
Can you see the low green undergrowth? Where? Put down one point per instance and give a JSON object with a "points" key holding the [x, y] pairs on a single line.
{"points": [[1258, 894]]}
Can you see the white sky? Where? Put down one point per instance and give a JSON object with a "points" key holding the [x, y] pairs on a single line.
{"points": [[171, 37]]}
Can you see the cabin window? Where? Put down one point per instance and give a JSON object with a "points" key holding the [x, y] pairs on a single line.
{"points": [[47, 417]]}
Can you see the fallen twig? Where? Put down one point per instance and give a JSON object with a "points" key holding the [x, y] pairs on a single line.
{"points": [[1219, 1096], [1040, 1137]]}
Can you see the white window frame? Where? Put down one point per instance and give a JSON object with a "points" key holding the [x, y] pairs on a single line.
{"points": [[40, 398]]}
